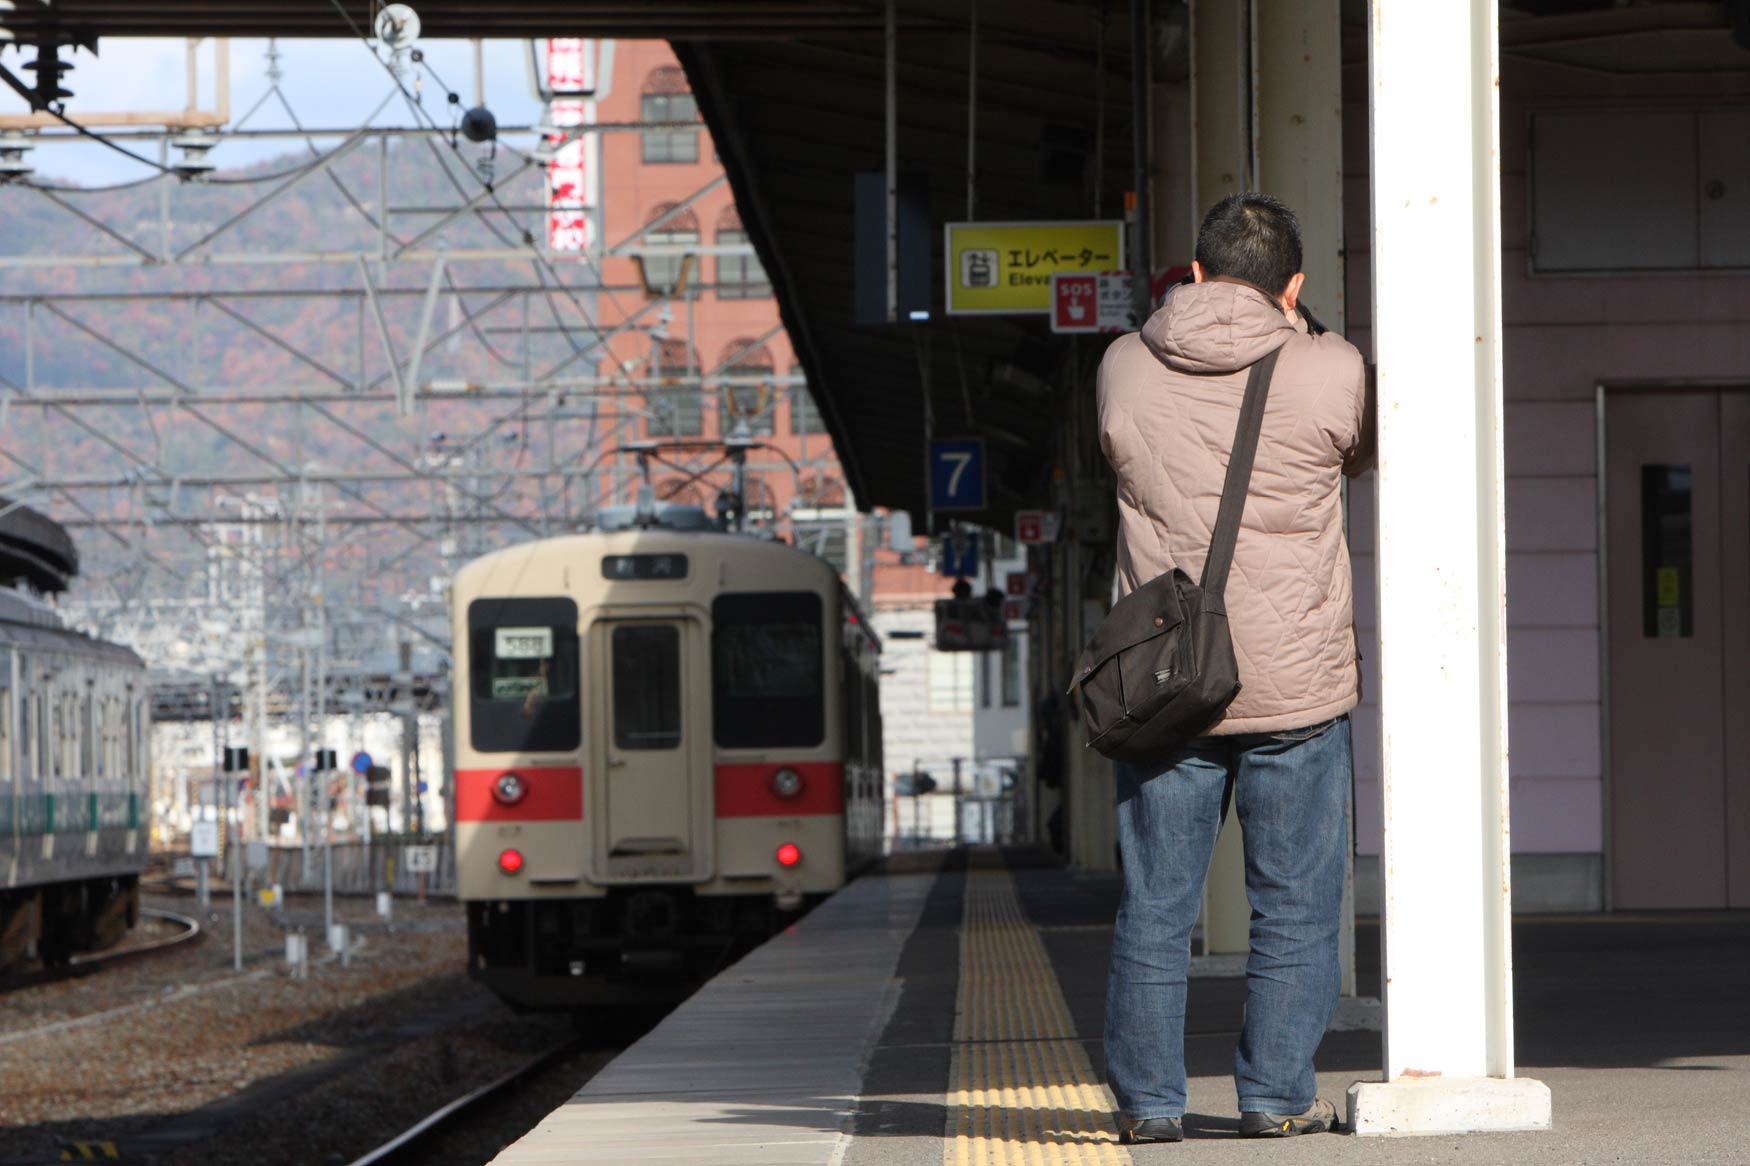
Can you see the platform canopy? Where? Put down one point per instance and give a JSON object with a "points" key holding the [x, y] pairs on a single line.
{"points": [[794, 92]]}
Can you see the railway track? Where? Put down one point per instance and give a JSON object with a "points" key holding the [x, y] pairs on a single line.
{"points": [[412, 1143], [93, 962]]}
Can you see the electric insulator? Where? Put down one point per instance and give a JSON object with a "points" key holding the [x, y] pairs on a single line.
{"points": [[49, 69], [194, 163]]}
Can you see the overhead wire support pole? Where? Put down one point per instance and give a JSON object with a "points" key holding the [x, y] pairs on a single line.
{"points": [[972, 113], [891, 41], [409, 384], [1142, 260], [394, 372]]}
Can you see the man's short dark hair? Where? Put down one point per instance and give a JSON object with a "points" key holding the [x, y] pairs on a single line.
{"points": [[1252, 237]]}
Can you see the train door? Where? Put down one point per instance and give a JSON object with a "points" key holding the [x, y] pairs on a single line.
{"points": [[1677, 529], [651, 749]]}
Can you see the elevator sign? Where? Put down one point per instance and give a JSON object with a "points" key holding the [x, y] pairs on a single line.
{"points": [[1006, 268]]}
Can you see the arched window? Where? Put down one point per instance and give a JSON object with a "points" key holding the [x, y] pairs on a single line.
{"points": [[739, 277], [745, 370], [822, 492], [665, 246], [804, 413], [667, 97], [675, 410]]}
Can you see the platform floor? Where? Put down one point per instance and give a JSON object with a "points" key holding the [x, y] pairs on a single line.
{"points": [[948, 1010]]}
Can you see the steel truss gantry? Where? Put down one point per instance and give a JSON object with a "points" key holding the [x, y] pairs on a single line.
{"points": [[282, 407]]}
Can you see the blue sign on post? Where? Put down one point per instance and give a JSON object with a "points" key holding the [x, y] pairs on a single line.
{"points": [[960, 555], [957, 474], [361, 761]]}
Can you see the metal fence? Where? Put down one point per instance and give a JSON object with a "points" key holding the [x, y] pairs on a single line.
{"points": [[360, 868]]}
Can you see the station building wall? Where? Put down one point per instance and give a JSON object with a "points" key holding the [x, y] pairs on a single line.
{"points": [[1564, 336]]}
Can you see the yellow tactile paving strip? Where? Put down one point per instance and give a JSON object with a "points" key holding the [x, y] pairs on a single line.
{"points": [[1022, 1091]]}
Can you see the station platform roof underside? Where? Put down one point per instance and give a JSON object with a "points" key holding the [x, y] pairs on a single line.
{"points": [[794, 92]]}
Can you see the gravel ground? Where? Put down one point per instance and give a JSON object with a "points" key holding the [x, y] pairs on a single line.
{"points": [[183, 1060]]}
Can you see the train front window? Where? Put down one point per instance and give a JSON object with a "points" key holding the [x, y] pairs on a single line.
{"points": [[647, 686], [523, 660], [767, 671]]}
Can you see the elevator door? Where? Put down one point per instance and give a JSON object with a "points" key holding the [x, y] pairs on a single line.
{"points": [[1678, 536]]}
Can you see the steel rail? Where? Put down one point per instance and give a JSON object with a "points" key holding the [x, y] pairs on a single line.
{"points": [[93, 962], [444, 1114]]}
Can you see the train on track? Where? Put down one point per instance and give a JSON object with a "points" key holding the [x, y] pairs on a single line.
{"points": [[74, 758], [667, 743]]}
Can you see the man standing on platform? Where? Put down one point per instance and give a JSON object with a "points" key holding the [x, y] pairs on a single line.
{"points": [[1169, 400]]}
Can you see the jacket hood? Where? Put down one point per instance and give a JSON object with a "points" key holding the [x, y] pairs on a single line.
{"points": [[1216, 327]]}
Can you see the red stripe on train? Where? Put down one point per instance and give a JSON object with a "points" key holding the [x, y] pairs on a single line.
{"points": [[555, 794], [745, 791]]}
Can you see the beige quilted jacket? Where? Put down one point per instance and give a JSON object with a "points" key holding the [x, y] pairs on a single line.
{"points": [[1169, 398]]}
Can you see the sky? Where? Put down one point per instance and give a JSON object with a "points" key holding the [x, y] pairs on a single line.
{"points": [[330, 84]]}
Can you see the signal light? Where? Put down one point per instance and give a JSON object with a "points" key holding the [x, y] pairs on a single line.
{"points": [[509, 789], [510, 861], [789, 854], [787, 783]]}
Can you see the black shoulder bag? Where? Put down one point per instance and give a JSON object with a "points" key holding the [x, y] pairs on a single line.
{"points": [[1160, 669]]}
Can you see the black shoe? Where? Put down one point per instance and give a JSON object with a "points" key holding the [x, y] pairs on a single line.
{"points": [[1320, 1117], [1150, 1129]]}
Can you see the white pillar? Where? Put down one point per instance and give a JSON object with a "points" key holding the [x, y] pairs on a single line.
{"points": [[1442, 581]]}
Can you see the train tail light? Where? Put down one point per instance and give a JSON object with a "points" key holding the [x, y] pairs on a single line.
{"points": [[789, 854], [510, 861]]}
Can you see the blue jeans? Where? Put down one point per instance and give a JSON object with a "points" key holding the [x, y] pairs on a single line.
{"points": [[1292, 793]]}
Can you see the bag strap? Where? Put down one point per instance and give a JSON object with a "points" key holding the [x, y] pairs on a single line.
{"points": [[1239, 477]]}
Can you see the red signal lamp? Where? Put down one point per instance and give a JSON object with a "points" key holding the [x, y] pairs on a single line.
{"points": [[510, 861], [789, 854]]}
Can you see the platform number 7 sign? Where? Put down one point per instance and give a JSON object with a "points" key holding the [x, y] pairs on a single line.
{"points": [[957, 474]]}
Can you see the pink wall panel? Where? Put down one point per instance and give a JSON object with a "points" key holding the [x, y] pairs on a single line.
{"points": [[1552, 590], [1555, 740], [1552, 514], [1551, 438], [1368, 826], [1557, 816], [1564, 336], [1566, 362], [1552, 665]]}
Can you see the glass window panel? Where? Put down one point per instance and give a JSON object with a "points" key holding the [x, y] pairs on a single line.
{"points": [[767, 674], [950, 682], [804, 415], [523, 657], [647, 686], [670, 145], [676, 413], [740, 277], [1667, 551]]}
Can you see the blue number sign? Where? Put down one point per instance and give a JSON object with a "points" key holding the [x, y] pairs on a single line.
{"points": [[957, 474]]}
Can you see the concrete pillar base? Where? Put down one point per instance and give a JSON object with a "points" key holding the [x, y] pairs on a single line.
{"points": [[1448, 1105]]}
